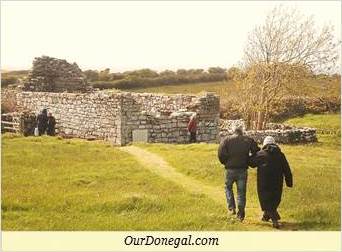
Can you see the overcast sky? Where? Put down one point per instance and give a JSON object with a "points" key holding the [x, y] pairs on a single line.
{"points": [[131, 35]]}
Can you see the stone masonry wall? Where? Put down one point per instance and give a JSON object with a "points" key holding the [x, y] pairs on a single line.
{"points": [[164, 104], [166, 117], [114, 116], [282, 133], [95, 115]]}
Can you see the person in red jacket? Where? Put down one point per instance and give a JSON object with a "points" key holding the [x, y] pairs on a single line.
{"points": [[192, 128]]}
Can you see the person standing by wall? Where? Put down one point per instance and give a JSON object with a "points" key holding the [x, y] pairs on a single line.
{"points": [[192, 128], [234, 153], [51, 125], [42, 120]]}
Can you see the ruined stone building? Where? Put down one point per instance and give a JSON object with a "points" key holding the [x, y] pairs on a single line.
{"points": [[122, 117], [119, 117], [55, 75]]}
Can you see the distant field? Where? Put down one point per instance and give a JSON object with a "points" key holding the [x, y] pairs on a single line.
{"points": [[326, 123], [310, 87], [219, 87]]}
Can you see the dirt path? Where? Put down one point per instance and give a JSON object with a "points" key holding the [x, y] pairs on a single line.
{"points": [[158, 165]]}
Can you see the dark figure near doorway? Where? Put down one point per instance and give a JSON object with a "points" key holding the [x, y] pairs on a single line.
{"points": [[42, 120], [51, 125]]}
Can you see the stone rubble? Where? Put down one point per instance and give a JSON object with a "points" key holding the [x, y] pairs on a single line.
{"points": [[55, 75]]}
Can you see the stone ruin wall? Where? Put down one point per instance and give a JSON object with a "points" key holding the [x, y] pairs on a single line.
{"points": [[165, 117], [95, 115], [55, 75], [286, 134], [114, 116]]}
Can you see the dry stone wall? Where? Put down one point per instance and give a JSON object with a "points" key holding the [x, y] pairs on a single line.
{"points": [[282, 133], [164, 104], [23, 122], [165, 117], [95, 115], [115, 115]]}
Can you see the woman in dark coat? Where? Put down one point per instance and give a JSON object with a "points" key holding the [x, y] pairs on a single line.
{"points": [[272, 168], [50, 130], [42, 120]]}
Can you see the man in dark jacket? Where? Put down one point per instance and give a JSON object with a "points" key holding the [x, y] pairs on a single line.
{"points": [[272, 168], [51, 125], [42, 120], [234, 152]]}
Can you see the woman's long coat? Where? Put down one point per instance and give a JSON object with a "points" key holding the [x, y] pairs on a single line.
{"points": [[272, 168]]}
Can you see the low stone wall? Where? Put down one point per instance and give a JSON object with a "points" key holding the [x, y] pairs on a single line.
{"points": [[114, 116], [23, 122], [290, 136], [282, 133]]}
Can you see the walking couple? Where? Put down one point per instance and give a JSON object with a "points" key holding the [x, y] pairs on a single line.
{"points": [[236, 153]]}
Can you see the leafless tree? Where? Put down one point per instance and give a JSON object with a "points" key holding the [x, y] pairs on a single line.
{"points": [[286, 48]]}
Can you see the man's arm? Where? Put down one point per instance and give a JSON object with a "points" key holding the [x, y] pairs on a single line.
{"points": [[254, 148], [223, 152]]}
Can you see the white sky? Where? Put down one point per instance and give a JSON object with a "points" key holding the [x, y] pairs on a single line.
{"points": [[131, 35]]}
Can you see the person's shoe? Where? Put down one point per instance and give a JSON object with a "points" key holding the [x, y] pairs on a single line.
{"points": [[240, 215], [276, 224], [265, 218], [232, 211]]}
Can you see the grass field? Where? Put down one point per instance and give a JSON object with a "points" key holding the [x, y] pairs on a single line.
{"points": [[226, 89], [59, 184], [313, 203], [52, 184], [325, 123]]}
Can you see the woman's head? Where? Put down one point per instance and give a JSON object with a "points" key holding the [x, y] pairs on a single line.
{"points": [[269, 140], [238, 129], [193, 116]]}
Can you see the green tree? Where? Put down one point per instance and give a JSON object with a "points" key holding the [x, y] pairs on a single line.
{"points": [[91, 75], [104, 75]]}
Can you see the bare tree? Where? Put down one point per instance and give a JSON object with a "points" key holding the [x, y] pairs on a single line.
{"points": [[286, 48]]}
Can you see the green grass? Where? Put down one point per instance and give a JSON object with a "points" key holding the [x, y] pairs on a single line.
{"points": [[193, 88], [313, 203], [227, 89], [323, 123], [53, 184]]}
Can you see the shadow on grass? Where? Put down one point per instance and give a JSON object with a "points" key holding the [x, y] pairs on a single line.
{"points": [[298, 226]]}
